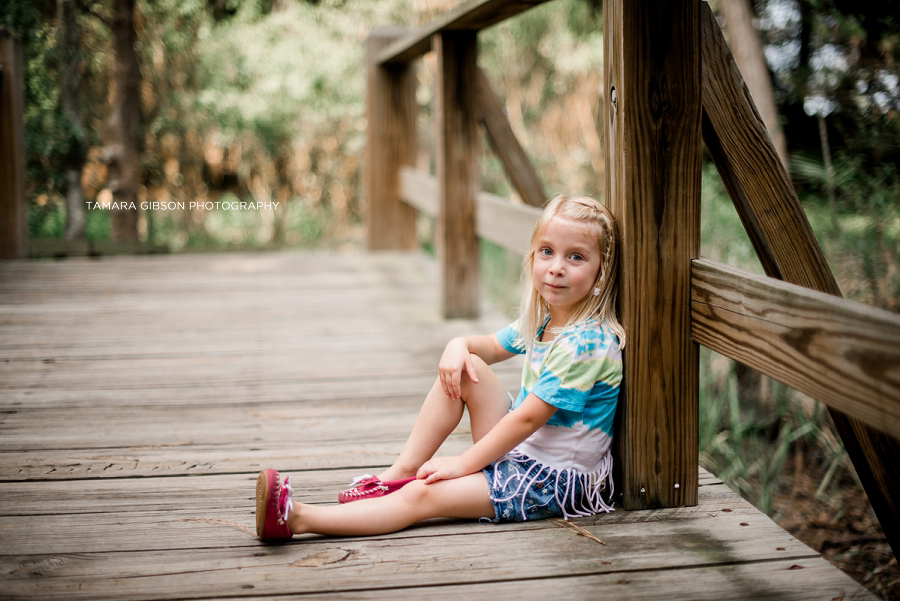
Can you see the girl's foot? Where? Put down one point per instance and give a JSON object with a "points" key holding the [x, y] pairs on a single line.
{"points": [[369, 487], [273, 504]]}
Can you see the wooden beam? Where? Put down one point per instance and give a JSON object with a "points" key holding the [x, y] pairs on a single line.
{"points": [[653, 154], [744, 154], [469, 16], [421, 191], [506, 145], [456, 144], [769, 207], [13, 206], [842, 352], [391, 111]]}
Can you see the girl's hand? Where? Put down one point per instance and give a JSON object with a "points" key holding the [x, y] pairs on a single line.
{"points": [[442, 468], [455, 359]]}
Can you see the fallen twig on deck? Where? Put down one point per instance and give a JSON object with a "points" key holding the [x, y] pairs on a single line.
{"points": [[576, 529]]}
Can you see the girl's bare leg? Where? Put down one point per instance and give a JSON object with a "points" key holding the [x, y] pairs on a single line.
{"points": [[487, 401], [466, 497]]}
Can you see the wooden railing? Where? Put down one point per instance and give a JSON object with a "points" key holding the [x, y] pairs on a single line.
{"points": [[670, 81]]}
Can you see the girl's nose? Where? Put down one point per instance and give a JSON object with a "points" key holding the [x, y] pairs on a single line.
{"points": [[556, 267]]}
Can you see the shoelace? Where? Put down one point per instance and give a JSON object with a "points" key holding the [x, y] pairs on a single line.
{"points": [[359, 479], [288, 497], [356, 492]]}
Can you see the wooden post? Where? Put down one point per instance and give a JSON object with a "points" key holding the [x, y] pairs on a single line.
{"points": [[653, 146], [391, 115], [456, 143], [13, 207]]}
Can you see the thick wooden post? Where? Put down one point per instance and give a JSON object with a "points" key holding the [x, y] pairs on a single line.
{"points": [[13, 208], [456, 142], [653, 146], [391, 143]]}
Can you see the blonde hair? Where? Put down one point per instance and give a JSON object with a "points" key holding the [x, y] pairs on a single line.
{"points": [[599, 221]]}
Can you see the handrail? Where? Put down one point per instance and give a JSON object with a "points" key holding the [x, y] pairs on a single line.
{"points": [[474, 16], [420, 190], [841, 352]]}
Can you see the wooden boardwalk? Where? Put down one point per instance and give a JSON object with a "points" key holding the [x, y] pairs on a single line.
{"points": [[140, 396]]}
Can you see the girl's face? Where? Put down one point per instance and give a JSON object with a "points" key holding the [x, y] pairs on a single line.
{"points": [[566, 264]]}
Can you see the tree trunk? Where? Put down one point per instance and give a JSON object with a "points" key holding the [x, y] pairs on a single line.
{"points": [[125, 172], [748, 53], [70, 67]]}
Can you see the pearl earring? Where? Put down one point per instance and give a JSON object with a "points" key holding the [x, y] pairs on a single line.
{"points": [[596, 292]]}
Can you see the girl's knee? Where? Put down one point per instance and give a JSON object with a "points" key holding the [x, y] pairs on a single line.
{"points": [[482, 370], [415, 494]]}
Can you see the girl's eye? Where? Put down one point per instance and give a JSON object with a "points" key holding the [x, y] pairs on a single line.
{"points": [[546, 252], [576, 257]]}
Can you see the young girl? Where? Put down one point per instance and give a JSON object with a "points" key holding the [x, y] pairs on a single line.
{"points": [[547, 455]]}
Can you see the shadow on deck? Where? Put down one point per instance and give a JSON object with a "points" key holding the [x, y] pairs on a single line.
{"points": [[140, 396]]}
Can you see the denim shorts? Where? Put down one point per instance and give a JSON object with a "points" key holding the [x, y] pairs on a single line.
{"points": [[524, 490]]}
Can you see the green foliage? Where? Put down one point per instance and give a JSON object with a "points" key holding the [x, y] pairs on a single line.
{"points": [[722, 235], [301, 63], [500, 277], [49, 221], [747, 444], [860, 230]]}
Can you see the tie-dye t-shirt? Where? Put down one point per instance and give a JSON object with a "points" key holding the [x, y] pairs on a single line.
{"points": [[579, 372]]}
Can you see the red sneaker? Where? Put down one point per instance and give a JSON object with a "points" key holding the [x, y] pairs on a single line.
{"points": [[273, 503], [369, 487]]}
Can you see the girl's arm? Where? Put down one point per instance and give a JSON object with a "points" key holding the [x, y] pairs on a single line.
{"points": [[457, 358], [516, 426]]}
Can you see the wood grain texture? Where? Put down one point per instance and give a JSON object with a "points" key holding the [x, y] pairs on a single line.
{"points": [[784, 241], [421, 191], [652, 135], [468, 16], [506, 146], [13, 205], [391, 142], [127, 470], [843, 353], [456, 149]]}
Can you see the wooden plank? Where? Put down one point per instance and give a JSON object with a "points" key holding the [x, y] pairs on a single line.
{"points": [[13, 206], [653, 147], [184, 458], [843, 353], [480, 557], [473, 16], [421, 191], [228, 493], [506, 145], [456, 143], [805, 579], [783, 580], [771, 212], [391, 142]]}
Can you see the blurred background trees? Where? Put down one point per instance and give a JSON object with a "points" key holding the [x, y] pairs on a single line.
{"points": [[263, 100]]}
